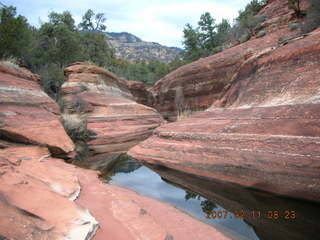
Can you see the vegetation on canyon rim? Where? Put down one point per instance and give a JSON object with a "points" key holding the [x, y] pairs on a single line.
{"points": [[59, 42]]}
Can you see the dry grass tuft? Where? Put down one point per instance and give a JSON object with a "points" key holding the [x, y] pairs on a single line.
{"points": [[75, 126], [11, 63]]}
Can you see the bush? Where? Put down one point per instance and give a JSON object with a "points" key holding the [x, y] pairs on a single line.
{"points": [[75, 127], [217, 50], [295, 6], [284, 40], [11, 63], [244, 37], [52, 79], [293, 26], [261, 33]]}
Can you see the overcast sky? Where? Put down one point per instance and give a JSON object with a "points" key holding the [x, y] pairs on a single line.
{"points": [[152, 20]]}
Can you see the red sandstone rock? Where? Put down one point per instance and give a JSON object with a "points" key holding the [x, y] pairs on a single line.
{"points": [[28, 115], [35, 198], [267, 135], [37, 192], [123, 214], [197, 85], [140, 93], [105, 102]]}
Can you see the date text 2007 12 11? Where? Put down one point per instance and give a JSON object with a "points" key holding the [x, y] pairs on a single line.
{"points": [[254, 214]]}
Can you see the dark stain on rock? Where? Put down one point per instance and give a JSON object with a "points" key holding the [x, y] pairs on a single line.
{"points": [[143, 212]]}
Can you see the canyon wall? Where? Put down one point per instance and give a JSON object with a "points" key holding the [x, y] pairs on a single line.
{"points": [[195, 86], [263, 131], [42, 197], [114, 120]]}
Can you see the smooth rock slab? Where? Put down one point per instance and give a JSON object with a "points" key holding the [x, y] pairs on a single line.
{"points": [[264, 132], [36, 198]]}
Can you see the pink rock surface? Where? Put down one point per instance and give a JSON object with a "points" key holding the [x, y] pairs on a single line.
{"points": [[195, 86], [105, 102], [38, 192], [28, 114], [35, 198], [263, 133], [123, 214]]}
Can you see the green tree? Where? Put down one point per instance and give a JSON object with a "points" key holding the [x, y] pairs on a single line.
{"points": [[93, 22], [208, 32], [64, 18], [192, 43], [16, 36], [247, 21], [96, 48], [94, 41], [223, 30], [295, 6], [58, 45]]}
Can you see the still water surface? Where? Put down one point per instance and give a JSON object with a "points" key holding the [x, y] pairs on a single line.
{"points": [[196, 197], [130, 174]]}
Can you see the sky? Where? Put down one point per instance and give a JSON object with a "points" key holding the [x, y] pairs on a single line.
{"points": [[159, 21]]}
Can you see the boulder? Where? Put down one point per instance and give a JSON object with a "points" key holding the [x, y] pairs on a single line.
{"points": [[28, 115], [114, 120], [263, 132]]}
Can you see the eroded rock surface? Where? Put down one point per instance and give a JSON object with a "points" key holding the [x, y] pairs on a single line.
{"points": [[28, 115], [44, 198], [35, 198], [124, 214], [116, 122], [263, 133], [195, 86]]}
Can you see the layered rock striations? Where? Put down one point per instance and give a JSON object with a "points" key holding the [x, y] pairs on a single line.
{"points": [[26, 113], [263, 132], [134, 49], [30, 132], [42, 197], [115, 121], [195, 86]]}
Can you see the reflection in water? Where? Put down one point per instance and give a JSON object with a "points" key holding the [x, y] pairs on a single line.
{"points": [[132, 175], [271, 216], [206, 205], [245, 213], [123, 164]]}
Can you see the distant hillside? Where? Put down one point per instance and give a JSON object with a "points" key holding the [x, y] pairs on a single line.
{"points": [[132, 48]]}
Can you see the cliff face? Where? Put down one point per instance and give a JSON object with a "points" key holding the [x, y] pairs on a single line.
{"points": [[116, 122], [134, 49], [263, 129], [42, 197], [196, 86]]}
